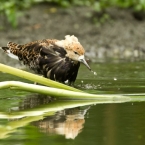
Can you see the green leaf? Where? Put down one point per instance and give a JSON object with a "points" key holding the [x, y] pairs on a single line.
{"points": [[12, 16]]}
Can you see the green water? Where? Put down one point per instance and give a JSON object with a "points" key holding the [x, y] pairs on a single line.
{"points": [[33, 119]]}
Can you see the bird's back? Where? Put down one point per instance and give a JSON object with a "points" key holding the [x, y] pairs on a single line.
{"points": [[46, 58]]}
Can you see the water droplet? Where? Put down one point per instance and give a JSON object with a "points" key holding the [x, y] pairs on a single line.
{"points": [[94, 72]]}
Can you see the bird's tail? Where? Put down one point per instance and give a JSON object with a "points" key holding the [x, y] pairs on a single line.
{"points": [[8, 52], [4, 48]]}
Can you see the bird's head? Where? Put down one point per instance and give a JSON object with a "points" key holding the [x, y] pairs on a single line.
{"points": [[74, 49]]}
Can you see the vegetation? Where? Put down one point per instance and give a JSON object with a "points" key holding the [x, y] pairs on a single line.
{"points": [[55, 89], [12, 9]]}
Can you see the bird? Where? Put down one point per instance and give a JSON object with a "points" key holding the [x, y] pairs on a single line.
{"points": [[58, 60]]}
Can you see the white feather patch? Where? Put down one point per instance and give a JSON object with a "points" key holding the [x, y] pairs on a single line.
{"points": [[68, 40], [12, 55]]}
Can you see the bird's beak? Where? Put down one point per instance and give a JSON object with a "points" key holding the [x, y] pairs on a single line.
{"points": [[82, 59]]}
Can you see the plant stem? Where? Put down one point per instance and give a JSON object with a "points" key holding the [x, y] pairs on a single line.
{"points": [[60, 93], [35, 78]]}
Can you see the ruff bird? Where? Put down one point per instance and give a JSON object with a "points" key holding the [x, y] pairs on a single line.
{"points": [[58, 60]]}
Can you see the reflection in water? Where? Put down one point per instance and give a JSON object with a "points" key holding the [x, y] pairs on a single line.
{"points": [[68, 122], [32, 101], [35, 100]]}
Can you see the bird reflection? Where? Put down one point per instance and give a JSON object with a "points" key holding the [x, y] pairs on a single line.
{"points": [[68, 122], [35, 100]]}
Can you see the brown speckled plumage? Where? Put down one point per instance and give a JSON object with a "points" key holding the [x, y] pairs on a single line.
{"points": [[54, 59]]}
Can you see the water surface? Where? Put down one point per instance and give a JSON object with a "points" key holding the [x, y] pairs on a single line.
{"points": [[27, 118]]}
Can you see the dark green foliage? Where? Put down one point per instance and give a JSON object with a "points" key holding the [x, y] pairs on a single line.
{"points": [[13, 8]]}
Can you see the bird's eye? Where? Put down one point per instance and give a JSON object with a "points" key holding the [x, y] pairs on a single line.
{"points": [[75, 52]]}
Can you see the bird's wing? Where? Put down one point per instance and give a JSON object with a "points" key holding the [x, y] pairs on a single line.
{"points": [[56, 65]]}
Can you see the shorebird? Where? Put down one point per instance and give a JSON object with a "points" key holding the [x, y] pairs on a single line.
{"points": [[58, 60]]}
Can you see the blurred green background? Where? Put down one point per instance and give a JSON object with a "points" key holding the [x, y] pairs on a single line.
{"points": [[12, 9]]}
